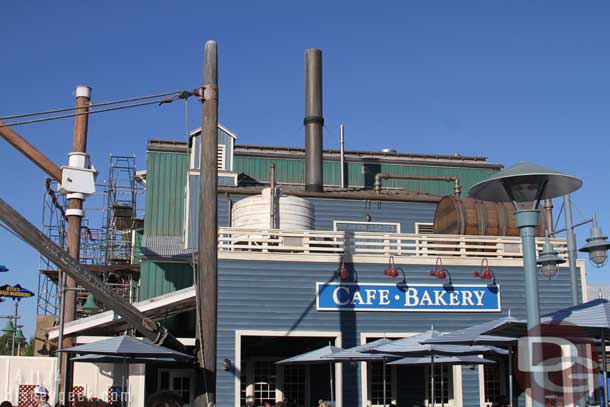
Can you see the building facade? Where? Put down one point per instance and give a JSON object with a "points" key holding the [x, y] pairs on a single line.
{"points": [[280, 293]]}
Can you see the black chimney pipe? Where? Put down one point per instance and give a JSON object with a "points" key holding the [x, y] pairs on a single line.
{"points": [[314, 121]]}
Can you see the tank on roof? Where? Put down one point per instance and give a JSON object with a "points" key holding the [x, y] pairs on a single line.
{"points": [[255, 212]]}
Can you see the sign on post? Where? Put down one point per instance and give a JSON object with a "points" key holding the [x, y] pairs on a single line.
{"points": [[15, 292]]}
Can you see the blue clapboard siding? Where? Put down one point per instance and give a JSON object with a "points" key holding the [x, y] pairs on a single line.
{"points": [[470, 386], [280, 296], [327, 211]]}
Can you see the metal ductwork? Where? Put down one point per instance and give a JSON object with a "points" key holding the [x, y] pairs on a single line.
{"points": [[314, 121], [457, 188]]}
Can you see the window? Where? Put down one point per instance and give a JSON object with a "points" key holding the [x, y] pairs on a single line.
{"points": [[294, 385], [376, 378], [264, 381], [491, 375], [443, 376], [178, 381]]}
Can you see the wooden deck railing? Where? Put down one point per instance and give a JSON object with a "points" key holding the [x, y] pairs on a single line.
{"points": [[368, 243]]}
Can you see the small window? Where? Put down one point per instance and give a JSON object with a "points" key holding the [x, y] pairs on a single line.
{"points": [[422, 228]]}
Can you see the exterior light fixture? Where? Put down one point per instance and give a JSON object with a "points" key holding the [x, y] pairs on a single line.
{"points": [[90, 307], [392, 270], [548, 260], [342, 272], [227, 365], [485, 273], [597, 245], [9, 328], [440, 272]]}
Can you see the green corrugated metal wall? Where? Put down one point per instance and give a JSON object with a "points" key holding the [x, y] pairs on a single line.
{"points": [[165, 198], [362, 174], [165, 192]]}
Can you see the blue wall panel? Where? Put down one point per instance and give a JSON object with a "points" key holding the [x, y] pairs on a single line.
{"points": [[280, 296], [329, 210]]}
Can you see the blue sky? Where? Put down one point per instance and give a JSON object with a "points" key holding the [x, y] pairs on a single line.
{"points": [[511, 80]]}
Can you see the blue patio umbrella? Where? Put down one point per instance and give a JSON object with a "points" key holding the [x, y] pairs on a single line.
{"points": [[420, 345], [125, 350], [316, 356], [416, 346], [126, 346], [448, 360], [361, 353], [475, 335], [124, 359], [591, 318]]}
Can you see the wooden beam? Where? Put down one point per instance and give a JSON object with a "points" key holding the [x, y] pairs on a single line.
{"points": [[31, 152]]}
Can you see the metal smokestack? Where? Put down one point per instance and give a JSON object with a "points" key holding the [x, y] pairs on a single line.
{"points": [[314, 121]]}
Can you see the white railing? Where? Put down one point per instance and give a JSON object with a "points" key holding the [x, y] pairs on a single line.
{"points": [[370, 243]]}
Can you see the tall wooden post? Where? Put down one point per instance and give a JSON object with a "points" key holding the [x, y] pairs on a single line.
{"points": [[207, 289], [77, 158]]}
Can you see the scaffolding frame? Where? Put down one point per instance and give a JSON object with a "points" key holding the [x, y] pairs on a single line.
{"points": [[107, 248]]}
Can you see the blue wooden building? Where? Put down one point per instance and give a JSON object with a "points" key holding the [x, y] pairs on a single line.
{"points": [[280, 293]]}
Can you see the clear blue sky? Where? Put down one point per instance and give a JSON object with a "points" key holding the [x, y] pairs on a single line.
{"points": [[511, 80]]}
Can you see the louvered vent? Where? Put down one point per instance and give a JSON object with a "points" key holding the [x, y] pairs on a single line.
{"points": [[424, 228]]}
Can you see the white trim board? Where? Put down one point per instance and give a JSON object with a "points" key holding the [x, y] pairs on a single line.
{"points": [[316, 334]]}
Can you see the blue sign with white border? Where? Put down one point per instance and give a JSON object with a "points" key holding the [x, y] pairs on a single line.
{"points": [[408, 297]]}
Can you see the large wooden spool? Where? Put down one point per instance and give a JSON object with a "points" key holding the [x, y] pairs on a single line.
{"points": [[467, 216]]}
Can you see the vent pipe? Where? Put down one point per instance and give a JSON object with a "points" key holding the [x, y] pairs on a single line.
{"points": [[342, 150], [314, 121]]}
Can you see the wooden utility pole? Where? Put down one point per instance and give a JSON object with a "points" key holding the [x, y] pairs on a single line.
{"points": [[207, 278], [77, 158]]}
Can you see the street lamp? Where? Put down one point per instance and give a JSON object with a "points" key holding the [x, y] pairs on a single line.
{"points": [[549, 260], [597, 245], [526, 182], [9, 328], [19, 340]]}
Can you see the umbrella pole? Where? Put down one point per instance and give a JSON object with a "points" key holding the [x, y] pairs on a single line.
{"points": [[384, 384], [332, 385], [442, 386], [604, 372], [511, 395], [432, 379]]}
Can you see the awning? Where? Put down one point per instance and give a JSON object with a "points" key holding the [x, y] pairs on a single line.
{"points": [[164, 247], [157, 308]]}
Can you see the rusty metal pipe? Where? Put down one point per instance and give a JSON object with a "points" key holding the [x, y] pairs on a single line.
{"points": [[457, 188]]}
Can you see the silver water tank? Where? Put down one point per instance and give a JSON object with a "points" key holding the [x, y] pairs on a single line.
{"points": [[254, 212]]}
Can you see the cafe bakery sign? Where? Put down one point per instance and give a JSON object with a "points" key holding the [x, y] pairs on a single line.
{"points": [[407, 297]]}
